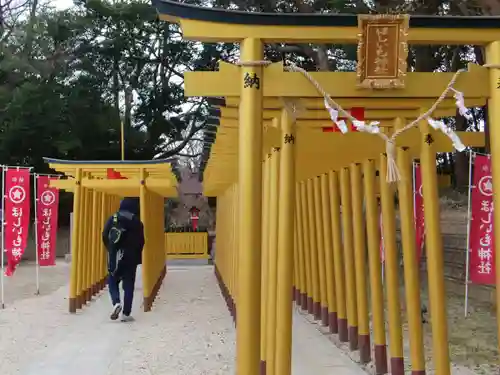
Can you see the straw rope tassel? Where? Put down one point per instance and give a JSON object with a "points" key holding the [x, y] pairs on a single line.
{"points": [[393, 174]]}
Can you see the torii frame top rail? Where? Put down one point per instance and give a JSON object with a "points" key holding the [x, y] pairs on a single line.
{"points": [[159, 176], [233, 26]]}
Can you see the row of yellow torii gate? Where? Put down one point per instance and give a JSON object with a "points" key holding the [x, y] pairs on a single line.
{"points": [[282, 183], [98, 187], [290, 210]]}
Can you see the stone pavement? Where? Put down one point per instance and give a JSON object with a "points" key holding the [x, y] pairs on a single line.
{"points": [[189, 332]]}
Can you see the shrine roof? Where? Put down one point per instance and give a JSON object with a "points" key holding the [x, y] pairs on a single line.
{"points": [[179, 11]]}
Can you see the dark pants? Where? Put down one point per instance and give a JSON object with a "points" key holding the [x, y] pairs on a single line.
{"points": [[127, 278]]}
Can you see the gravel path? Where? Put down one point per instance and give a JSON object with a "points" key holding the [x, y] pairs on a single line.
{"points": [[189, 332]]}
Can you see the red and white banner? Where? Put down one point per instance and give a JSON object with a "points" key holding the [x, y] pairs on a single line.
{"points": [[481, 240], [46, 220], [418, 200], [16, 215]]}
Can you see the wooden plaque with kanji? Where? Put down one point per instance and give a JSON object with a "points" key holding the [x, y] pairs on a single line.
{"points": [[382, 51]]}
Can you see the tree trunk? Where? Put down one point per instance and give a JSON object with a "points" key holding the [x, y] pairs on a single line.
{"points": [[128, 108], [116, 87], [31, 29]]}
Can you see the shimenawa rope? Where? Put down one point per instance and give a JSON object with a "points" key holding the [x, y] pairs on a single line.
{"points": [[392, 169]]}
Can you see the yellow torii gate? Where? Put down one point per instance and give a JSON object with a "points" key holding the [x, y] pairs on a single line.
{"points": [[253, 81], [221, 171], [96, 195], [367, 147], [315, 145]]}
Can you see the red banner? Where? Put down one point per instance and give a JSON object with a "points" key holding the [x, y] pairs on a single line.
{"points": [[46, 221], [481, 239], [418, 200], [17, 215]]}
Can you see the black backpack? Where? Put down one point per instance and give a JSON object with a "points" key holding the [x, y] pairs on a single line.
{"points": [[116, 235], [116, 231]]}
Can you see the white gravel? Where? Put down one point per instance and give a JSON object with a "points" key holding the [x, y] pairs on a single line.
{"points": [[189, 332]]}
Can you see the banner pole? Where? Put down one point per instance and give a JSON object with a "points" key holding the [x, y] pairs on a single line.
{"points": [[35, 192], [382, 247], [414, 183], [2, 260], [467, 243], [122, 140]]}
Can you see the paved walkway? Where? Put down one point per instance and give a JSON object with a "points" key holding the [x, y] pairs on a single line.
{"points": [[189, 332]]}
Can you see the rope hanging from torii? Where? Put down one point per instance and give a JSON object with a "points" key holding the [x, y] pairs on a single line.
{"points": [[334, 109]]}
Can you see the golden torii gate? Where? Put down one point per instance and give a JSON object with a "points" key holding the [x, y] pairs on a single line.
{"points": [[251, 82], [97, 188], [221, 171], [333, 144], [219, 175], [314, 144]]}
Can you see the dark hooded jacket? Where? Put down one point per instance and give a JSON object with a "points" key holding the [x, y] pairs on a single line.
{"points": [[132, 242]]}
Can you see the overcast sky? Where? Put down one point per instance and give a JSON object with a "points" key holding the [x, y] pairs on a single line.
{"points": [[62, 4]]}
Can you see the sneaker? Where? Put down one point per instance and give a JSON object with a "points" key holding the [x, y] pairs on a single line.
{"points": [[127, 318], [117, 309]]}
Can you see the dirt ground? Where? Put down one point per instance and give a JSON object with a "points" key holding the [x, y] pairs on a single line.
{"points": [[22, 285], [473, 339]]}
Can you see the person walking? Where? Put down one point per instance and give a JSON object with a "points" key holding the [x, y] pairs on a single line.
{"points": [[123, 237]]}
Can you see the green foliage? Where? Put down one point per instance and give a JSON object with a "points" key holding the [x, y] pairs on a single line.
{"points": [[68, 79]]}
